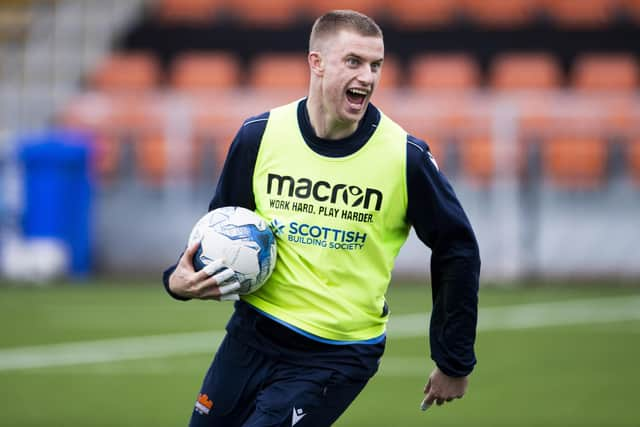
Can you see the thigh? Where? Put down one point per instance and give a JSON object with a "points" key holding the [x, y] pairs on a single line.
{"points": [[303, 397], [228, 392]]}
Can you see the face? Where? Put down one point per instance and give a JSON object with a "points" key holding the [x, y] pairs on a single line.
{"points": [[351, 66]]}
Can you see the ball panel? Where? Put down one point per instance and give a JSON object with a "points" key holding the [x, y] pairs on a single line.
{"points": [[198, 261], [242, 239]]}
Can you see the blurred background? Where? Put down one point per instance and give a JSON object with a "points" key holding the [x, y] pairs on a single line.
{"points": [[116, 115], [531, 108]]}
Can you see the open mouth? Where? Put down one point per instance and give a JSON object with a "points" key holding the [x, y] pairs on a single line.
{"points": [[356, 96]]}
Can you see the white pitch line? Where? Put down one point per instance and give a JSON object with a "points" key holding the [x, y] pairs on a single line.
{"points": [[523, 316], [536, 315], [109, 350]]}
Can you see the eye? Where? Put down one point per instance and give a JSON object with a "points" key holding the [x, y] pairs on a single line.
{"points": [[376, 66], [353, 62]]}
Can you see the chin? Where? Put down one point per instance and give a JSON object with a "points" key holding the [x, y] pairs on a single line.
{"points": [[355, 116]]}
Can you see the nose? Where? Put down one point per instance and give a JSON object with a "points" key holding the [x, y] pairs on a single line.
{"points": [[366, 76]]}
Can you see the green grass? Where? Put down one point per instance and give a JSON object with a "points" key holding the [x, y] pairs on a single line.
{"points": [[565, 375]]}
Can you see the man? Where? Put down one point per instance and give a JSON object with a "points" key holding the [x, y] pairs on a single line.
{"points": [[347, 183]]}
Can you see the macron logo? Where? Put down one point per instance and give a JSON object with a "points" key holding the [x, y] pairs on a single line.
{"points": [[297, 415]]}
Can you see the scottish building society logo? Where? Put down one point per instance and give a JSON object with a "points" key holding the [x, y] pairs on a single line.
{"points": [[323, 191]]}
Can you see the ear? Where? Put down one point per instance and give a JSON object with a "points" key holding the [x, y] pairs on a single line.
{"points": [[315, 63]]}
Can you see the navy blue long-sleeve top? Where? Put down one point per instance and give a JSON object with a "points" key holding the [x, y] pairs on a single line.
{"points": [[433, 210]]}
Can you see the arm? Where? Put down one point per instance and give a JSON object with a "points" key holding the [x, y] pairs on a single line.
{"points": [[235, 188], [440, 222]]}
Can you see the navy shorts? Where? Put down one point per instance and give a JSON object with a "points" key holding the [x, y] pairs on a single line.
{"points": [[264, 375]]}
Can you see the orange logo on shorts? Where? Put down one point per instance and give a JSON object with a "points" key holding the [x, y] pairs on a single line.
{"points": [[203, 404]]}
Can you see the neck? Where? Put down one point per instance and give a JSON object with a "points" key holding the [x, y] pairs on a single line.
{"points": [[324, 124]]}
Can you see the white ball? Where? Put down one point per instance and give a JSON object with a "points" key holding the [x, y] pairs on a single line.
{"points": [[241, 239]]}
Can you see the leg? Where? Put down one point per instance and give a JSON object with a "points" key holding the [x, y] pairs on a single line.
{"points": [[228, 392], [303, 397]]}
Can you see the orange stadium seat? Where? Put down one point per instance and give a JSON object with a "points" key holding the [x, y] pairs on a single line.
{"points": [[575, 162], [134, 71], [272, 13], [190, 11], [214, 127], [500, 13], [134, 114], [621, 115], [97, 120], [210, 146], [280, 71], [391, 73], [438, 150], [580, 13], [151, 158], [153, 162], [442, 138], [107, 147], [444, 71], [602, 72], [422, 13], [476, 159], [107, 155], [130, 120], [536, 114], [523, 71], [631, 8], [196, 71], [368, 7]]}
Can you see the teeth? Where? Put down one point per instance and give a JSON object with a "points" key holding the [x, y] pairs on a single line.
{"points": [[359, 92]]}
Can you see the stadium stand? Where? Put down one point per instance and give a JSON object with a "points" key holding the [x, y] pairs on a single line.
{"points": [[373, 8], [631, 8], [187, 11], [126, 71], [477, 160], [606, 72], [574, 162], [540, 94], [438, 60], [391, 73], [107, 149], [454, 71], [266, 14], [581, 13], [500, 13], [279, 71], [195, 71], [151, 157], [213, 130], [633, 156], [416, 14], [525, 71]]}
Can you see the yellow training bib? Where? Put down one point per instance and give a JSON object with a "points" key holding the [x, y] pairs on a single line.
{"points": [[340, 223]]}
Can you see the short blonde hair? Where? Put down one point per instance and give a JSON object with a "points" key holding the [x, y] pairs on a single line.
{"points": [[336, 20]]}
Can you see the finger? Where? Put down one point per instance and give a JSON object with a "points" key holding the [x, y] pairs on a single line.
{"points": [[429, 398], [223, 275], [191, 250], [424, 405], [186, 260], [427, 387], [213, 266], [230, 297], [229, 288]]}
